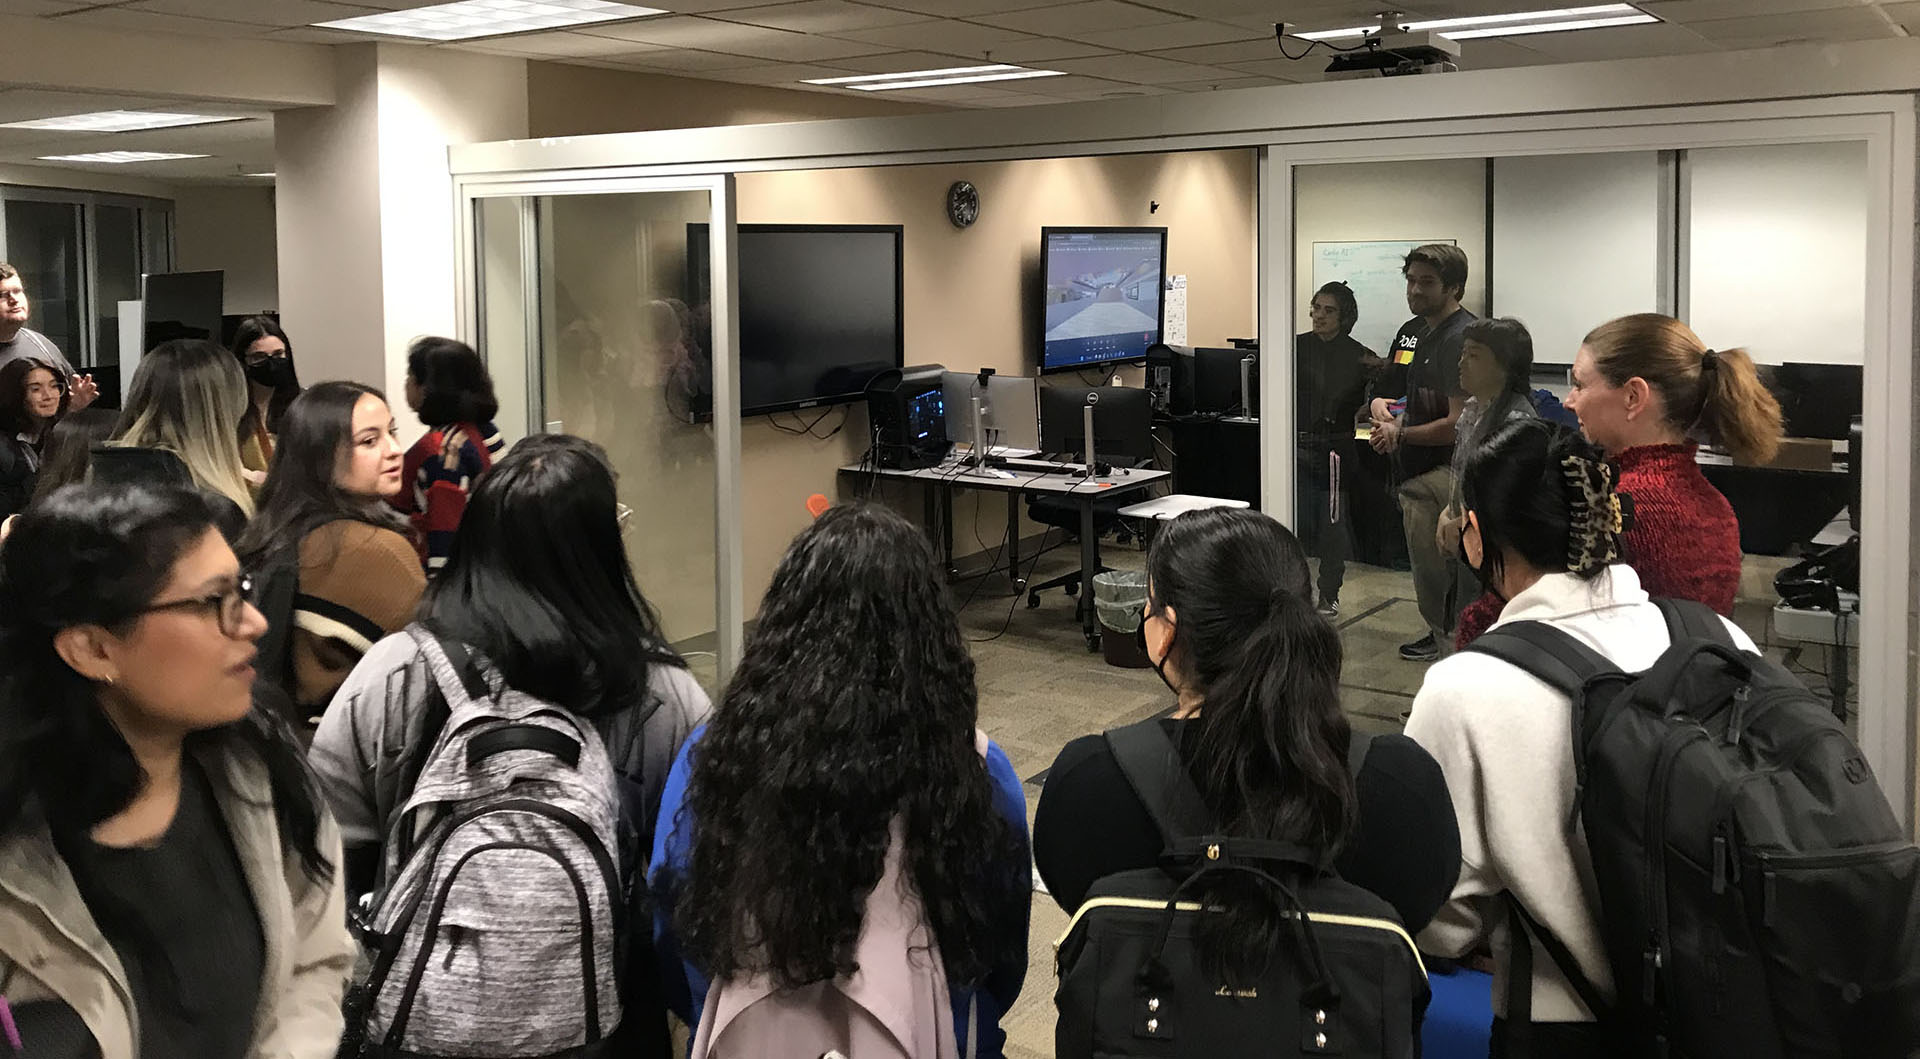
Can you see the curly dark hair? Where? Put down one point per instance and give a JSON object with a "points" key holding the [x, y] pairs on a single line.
{"points": [[854, 704]]}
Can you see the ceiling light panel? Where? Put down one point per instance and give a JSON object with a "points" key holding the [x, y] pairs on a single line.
{"points": [[120, 157], [1336, 34], [490, 18], [1600, 11], [1549, 27], [950, 75], [120, 121]]}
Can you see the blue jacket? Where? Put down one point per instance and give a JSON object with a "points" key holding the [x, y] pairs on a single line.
{"points": [[685, 986]]}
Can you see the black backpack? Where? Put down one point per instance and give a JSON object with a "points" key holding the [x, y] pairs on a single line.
{"points": [[1758, 897], [1131, 978]]}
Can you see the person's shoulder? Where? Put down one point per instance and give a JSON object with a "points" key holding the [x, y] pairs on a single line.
{"points": [[680, 692], [1396, 757], [351, 540]]}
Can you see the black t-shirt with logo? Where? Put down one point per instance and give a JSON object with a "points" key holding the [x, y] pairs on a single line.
{"points": [[1428, 361]]}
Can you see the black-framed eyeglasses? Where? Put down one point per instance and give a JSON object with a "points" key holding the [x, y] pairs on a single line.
{"points": [[229, 607]]}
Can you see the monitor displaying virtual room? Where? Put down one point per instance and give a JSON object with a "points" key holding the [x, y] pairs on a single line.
{"points": [[1101, 294]]}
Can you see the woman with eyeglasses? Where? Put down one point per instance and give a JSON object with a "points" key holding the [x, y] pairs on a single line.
{"points": [[169, 880], [339, 570], [266, 355], [558, 616], [33, 397]]}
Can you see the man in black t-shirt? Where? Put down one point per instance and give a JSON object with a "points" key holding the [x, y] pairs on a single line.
{"points": [[1331, 371], [1421, 437]]}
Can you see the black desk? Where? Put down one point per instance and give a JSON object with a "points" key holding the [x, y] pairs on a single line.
{"points": [[1215, 456], [944, 479]]}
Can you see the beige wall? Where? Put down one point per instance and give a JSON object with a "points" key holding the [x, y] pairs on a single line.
{"points": [[566, 100], [232, 229], [972, 295]]}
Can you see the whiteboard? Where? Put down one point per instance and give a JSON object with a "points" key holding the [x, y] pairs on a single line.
{"points": [[1372, 269]]}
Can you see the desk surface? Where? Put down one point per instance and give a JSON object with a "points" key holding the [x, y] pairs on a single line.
{"points": [[1119, 481]]}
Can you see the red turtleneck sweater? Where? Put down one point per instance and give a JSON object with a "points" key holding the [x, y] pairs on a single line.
{"points": [[1684, 542]]}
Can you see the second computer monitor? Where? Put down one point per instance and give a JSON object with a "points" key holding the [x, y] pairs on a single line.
{"points": [[1216, 382], [1122, 422], [1010, 410]]}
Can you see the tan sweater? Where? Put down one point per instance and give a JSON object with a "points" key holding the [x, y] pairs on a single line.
{"points": [[358, 583]]}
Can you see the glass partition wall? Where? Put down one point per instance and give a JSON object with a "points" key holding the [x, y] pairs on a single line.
{"points": [[1770, 245], [80, 254], [578, 296]]}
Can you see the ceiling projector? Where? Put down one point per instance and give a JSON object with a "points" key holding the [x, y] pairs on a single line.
{"points": [[1396, 55]]}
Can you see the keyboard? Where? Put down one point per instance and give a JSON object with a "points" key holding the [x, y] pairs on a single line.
{"points": [[1039, 467]]}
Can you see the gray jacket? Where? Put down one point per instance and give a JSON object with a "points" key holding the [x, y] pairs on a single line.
{"points": [[373, 727]]}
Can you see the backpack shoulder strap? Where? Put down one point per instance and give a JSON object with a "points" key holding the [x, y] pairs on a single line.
{"points": [[1519, 1023], [1689, 620], [1562, 662], [1152, 766]]}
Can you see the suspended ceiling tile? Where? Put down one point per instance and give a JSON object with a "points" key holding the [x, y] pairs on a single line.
{"points": [[687, 60], [734, 38], [1228, 84], [1172, 35], [1243, 51], [944, 35], [1907, 14], [898, 62], [965, 8], [314, 35], [783, 73], [28, 104], [822, 16], [285, 13], [1713, 10], [1078, 87], [1498, 54], [32, 8], [122, 19], [1043, 50], [1624, 42], [1138, 69], [1078, 21], [560, 46], [1840, 23]]}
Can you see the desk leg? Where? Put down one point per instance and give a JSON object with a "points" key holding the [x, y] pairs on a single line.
{"points": [[1089, 565], [930, 512], [1837, 679], [1013, 542], [946, 531]]}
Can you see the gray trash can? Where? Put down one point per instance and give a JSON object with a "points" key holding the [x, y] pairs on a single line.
{"points": [[1120, 601]]}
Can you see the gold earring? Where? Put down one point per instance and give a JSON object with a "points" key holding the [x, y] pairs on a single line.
{"points": [[108, 681]]}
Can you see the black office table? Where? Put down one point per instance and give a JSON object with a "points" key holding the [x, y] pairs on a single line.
{"points": [[945, 478]]}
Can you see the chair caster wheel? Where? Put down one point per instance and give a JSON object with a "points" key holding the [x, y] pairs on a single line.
{"points": [[1033, 600], [1073, 588], [1093, 643]]}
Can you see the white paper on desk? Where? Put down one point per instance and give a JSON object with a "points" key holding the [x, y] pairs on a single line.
{"points": [[1174, 312]]}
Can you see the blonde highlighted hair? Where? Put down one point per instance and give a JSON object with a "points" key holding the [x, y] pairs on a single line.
{"points": [[1716, 394], [187, 397]]}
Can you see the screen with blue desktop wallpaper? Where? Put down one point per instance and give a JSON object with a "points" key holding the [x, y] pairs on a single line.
{"points": [[1102, 294]]}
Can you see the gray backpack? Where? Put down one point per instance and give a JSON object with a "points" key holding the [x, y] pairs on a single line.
{"points": [[497, 929]]}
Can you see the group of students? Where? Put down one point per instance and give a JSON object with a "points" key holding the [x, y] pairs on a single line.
{"points": [[175, 873], [1644, 388]]}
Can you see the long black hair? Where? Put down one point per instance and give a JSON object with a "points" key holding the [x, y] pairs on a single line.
{"points": [[1268, 748], [301, 493], [96, 555], [66, 452], [1537, 491], [453, 380], [251, 330], [539, 583], [855, 703]]}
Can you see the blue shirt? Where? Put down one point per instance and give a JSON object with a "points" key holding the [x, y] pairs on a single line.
{"points": [[685, 986]]}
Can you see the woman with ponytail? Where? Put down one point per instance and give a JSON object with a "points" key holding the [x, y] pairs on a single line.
{"points": [[1231, 628], [1648, 390], [1545, 522]]}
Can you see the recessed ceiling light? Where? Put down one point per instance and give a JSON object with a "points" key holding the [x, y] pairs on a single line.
{"points": [[120, 157], [489, 18], [120, 121], [1520, 16], [1636, 19], [951, 75]]}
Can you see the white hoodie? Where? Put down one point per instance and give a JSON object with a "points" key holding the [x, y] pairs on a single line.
{"points": [[1504, 740]]}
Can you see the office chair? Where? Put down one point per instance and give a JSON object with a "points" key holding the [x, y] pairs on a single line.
{"points": [[1123, 434]]}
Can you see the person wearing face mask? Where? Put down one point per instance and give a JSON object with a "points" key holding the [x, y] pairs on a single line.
{"points": [[1648, 391], [169, 877], [32, 400], [1544, 532], [266, 356], [1426, 354], [1331, 370], [1496, 370], [1255, 673], [324, 517]]}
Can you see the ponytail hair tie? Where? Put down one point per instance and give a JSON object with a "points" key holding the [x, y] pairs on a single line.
{"points": [[1709, 360], [1277, 599]]}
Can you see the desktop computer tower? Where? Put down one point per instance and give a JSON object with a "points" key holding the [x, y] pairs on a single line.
{"points": [[907, 407]]}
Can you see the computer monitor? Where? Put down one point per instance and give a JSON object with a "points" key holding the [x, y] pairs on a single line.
{"points": [[1101, 295], [1122, 422], [1010, 409], [1216, 382], [1817, 400], [182, 305]]}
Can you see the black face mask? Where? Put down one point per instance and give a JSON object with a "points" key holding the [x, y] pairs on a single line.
{"points": [[274, 372], [1481, 573], [1160, 667]]}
